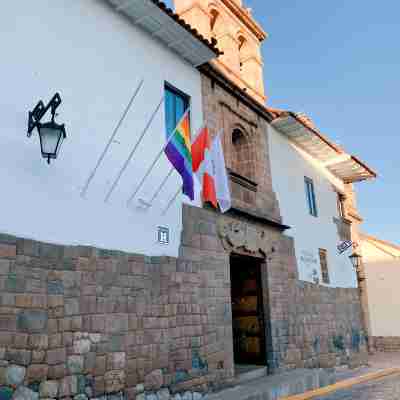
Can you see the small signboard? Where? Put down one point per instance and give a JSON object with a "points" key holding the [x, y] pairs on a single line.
{"points": [[342, 247]]}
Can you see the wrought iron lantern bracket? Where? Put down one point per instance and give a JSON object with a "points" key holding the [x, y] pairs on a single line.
{"points": [[40, 110]]}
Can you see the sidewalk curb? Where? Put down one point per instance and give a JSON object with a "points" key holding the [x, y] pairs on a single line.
{"points": [[343, 384]]}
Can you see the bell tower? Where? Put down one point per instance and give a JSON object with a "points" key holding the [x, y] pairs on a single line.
{"points": [[238, 36]]}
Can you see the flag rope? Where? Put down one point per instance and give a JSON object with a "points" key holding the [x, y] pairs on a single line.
{"points": [[172, 201], [148, 172], [128, 160], [100, 160], [162, 185]]}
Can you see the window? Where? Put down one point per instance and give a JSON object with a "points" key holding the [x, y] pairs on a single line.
{"points": [[176, 103], [323, 259], [312, 206], [340, 205]]}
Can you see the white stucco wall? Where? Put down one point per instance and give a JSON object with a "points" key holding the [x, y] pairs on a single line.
{"points": [[289, 167], [95, 59], [382, 271]]}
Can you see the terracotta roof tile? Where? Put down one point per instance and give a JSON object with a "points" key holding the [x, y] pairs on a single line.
{"points": [[212, 45]]}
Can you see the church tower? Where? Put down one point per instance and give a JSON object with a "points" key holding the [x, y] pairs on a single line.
{"points": [[238, 36]]}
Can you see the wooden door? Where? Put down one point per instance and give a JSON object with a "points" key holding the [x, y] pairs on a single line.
{"points": [[247, 311]]}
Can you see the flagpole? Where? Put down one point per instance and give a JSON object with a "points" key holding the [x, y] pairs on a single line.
{"points": [[155, 161], [128, 160], [100, 160], [172, 201]]}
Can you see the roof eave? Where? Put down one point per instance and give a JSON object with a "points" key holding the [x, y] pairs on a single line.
{"points": [[163, 24]]}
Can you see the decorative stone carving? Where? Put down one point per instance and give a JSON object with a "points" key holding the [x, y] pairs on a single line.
{"points": [[240, 236]]}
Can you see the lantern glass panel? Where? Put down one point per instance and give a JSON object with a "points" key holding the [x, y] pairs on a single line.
{"points": [[51, 137]]}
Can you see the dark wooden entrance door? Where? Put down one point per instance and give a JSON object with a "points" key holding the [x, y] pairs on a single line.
{"points": [[247, 310]]}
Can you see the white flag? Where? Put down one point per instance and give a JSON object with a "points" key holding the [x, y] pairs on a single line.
{"points": [[220, 175]]}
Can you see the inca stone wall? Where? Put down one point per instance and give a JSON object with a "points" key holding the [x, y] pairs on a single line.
{"points": [[385, 343], [89, 322], [80, 322]]}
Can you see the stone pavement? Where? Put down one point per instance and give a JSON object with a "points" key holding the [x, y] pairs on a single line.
{"points": [[383, 389]]}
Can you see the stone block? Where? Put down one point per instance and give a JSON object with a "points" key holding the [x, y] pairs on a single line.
{"points": [[5, 267], [75, 364], [55, 301], [28, 247], [100, 368], [8, 323], [56, 356], [15, 375], [55, 340], [98, 323], [7, 299], [19, 357], [38, 356], [89, 363], [6, 393], [163, 394], [37, 372], [24, 393], [82, 346], [114, 381], [38, 341], [48, 389], [68, 386], [15, 283], [71, 306], [154, 380], [32, 321], [116, 361], [99, 386], [8, 250], [57, 371], [116, 323], [20, 340]]}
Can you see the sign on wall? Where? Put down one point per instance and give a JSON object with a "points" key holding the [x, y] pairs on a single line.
{"points": [[343, 246]]}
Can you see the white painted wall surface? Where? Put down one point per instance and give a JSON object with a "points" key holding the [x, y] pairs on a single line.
{"points": [[95, 58], [383, 278], [289, 167]]}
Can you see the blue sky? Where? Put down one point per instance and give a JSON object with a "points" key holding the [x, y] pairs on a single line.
{"points": [[339, 61]]}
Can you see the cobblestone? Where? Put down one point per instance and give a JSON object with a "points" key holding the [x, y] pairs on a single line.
{"points": [[383, 389]]}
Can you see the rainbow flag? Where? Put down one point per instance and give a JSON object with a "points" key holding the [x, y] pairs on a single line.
{"points": [[179, 153]]}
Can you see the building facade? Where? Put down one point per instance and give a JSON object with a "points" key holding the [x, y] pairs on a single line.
{"points": [[86, 65], [381, 261], [92, 301], [293, 204]]}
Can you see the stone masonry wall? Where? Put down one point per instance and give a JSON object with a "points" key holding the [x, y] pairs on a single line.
{"points": [[311, 325], [88, 322], [79, 322], [385, 343]]}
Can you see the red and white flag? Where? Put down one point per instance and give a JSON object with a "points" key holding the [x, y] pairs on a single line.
{"points": [[209, 166]]}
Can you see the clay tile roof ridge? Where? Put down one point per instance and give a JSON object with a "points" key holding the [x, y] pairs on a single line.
{"points": [[212, 45]]}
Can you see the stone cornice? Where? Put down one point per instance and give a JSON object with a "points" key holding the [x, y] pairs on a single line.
{"points": [[246, 18]]}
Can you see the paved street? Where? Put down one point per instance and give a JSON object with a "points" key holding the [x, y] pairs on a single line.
{"points": [[384, 389]]}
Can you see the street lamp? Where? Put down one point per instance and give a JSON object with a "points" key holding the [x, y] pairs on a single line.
{"points": [[355, 259], [51, 134]]}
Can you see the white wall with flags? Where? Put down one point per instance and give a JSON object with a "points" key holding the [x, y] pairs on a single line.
{"points": [[95, 58]]}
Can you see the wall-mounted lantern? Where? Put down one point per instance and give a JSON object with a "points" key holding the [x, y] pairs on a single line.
{"points": [[51, 134], [355, 259]]}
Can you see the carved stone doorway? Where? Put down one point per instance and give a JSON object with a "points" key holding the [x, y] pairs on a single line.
{"points": [[248, 323]]}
